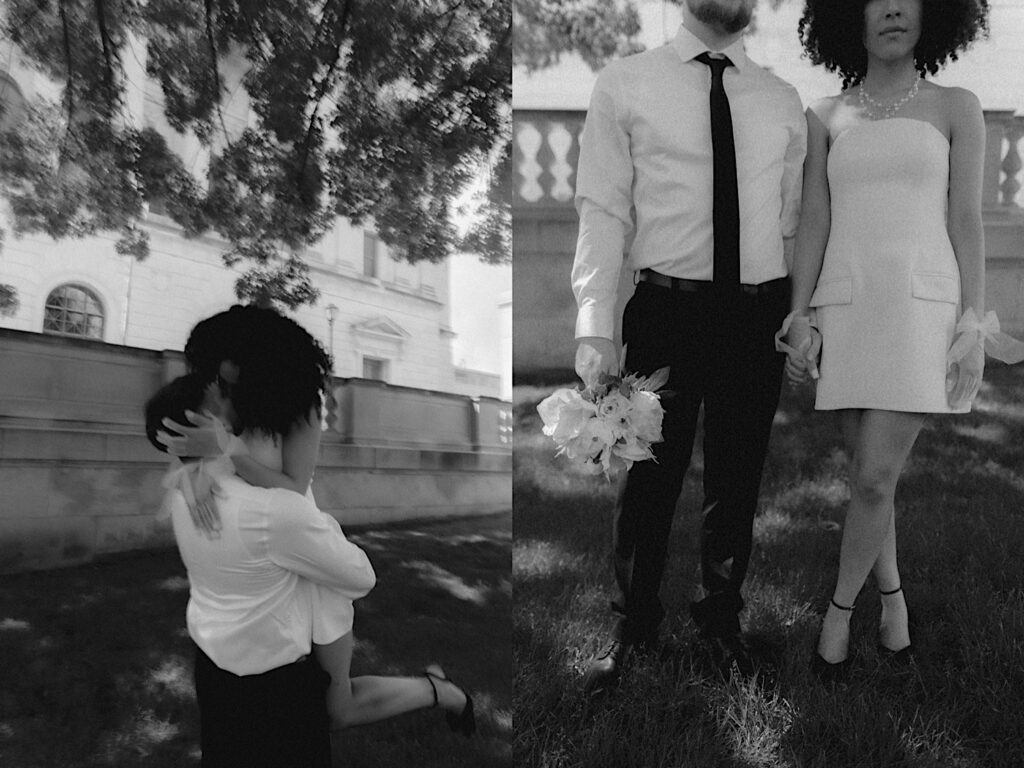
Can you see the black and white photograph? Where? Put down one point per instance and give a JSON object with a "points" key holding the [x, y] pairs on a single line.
{"points": [[493, 383], [768, 308], [255, 384]]}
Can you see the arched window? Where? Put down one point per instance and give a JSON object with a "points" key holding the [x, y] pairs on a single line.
{"points": [[73, 310]]}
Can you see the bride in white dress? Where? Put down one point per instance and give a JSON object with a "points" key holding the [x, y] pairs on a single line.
{"points": [[888, 256]]}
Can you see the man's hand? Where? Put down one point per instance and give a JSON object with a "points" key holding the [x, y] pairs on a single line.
{"points": [[796, 369], [594, 356], [802, 344]]}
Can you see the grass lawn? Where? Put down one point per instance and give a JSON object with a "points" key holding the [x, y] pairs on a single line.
{"points": [[96, 665], [960, 529]]}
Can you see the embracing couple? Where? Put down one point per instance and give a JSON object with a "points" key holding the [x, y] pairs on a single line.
{"points": [[849, 237], [271, 578]]}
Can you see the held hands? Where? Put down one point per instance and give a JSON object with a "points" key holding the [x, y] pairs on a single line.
{"points": [[801, 342], [595, 355]]}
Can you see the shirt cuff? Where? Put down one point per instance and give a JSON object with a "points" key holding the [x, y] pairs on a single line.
{"points": [[595, 320]]}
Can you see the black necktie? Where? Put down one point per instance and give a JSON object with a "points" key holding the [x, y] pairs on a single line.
{"points": [[726, 216]]}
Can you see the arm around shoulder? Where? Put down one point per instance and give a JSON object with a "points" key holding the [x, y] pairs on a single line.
{"points": [[310, 543]]}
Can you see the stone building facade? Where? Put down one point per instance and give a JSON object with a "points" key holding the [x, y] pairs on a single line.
{"points": [[383, 319]]}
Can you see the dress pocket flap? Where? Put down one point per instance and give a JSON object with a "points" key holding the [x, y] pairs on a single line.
{"points": [[837, 291], [935, 287]]}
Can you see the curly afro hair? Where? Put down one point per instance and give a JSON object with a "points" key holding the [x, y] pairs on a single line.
{"points": [[832, 32], [283, 370]]}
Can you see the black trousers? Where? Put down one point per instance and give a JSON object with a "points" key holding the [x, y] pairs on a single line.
{"points": [[724, 358], [274, 720]]}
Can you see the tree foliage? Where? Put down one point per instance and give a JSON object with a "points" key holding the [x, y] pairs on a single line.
{"points": [[597, 30], [8, 300], [358, 109]]}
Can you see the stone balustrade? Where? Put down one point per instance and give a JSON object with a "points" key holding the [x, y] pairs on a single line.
{"points": [[545, 155], [546, 151], [1002, 187]]}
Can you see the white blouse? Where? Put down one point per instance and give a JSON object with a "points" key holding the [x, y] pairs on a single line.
{"points": [[250, 609]]}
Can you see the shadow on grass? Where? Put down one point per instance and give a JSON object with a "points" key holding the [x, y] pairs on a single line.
{"points": [[960, 527], [97, 666]]}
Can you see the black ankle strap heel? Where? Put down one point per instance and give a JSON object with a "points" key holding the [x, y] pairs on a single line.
{"points": [[905, 655], [430, 679], [831, 672], [465, 721]]}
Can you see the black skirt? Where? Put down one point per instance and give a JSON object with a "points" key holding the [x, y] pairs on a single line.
{"points": [[277, 719]]}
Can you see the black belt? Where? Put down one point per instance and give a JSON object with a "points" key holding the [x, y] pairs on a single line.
{"points": [[702, 286]]}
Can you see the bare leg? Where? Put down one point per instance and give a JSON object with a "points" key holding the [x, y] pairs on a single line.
{"points": [[893, 628], [885, 569], [882, 442], [368, 699], [894, 631]]}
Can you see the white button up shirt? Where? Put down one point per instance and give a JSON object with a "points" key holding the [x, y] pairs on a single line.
{"points": [[645, 175], [250, 605]]}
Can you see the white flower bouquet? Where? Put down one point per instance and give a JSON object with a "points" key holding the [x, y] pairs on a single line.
{"points": [[608, 425]]}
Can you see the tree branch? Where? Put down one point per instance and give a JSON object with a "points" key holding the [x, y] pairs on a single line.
{"points": [[71, 80], [324, 86], [108, 78], [213, 66]]}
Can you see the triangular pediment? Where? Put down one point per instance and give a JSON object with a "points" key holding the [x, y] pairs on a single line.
{"points": [[381, 326]]}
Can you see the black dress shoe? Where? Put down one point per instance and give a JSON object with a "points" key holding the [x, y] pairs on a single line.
{"points": [[900, 658], [731, 654], [828, 672], [605, 669]]}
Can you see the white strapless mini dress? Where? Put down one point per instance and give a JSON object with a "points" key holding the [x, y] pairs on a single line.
{"points": [[888, 294]]}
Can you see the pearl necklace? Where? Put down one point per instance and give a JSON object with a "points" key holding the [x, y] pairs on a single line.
{"points": [[887, 110]]}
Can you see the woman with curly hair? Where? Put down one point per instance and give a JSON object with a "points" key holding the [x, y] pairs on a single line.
{"points": [[889, 254], [266, 375]]}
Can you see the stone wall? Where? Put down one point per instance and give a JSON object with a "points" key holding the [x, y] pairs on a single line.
{"points": [[78, 477]]}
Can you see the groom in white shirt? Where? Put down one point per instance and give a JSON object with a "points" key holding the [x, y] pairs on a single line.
{"points": [[252, 561], [690, 165]]}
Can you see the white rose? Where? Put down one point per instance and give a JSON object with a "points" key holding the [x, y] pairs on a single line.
{"points": [[645, 416], [592, 439], [632, 450], [613, 406], [564, 414]]}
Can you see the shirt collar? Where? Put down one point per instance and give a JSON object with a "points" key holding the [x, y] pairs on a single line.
{"points": [[688, 45]]}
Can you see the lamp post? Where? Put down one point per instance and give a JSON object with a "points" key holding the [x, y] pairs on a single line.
{"points": [[332, 312]]}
